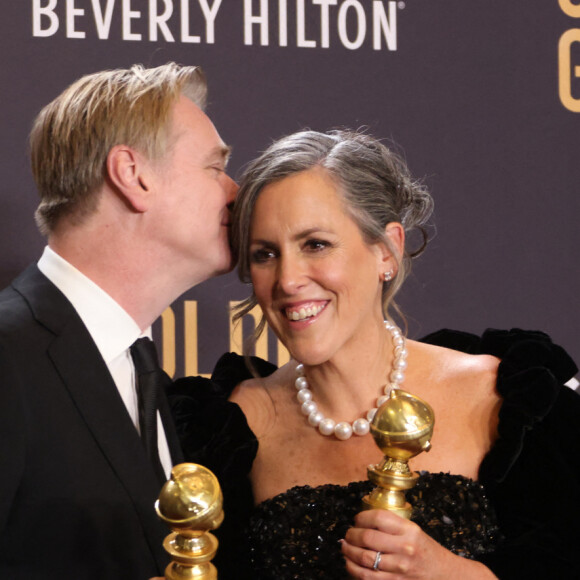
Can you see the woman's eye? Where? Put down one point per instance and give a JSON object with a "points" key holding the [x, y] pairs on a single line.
{"points": [[317, 245], [262, 255]]}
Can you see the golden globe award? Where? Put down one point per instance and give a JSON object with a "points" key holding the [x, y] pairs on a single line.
{"points": [[402, 428], [191, 504]]}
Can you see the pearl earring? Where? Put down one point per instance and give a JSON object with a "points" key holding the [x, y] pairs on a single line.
{"points": [[388, 276]]}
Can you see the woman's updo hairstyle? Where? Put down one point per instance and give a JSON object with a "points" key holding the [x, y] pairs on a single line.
{"points": [[374, 182]]}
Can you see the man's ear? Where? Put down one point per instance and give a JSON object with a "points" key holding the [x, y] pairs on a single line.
{"points": [[390, 257], [128, 172]]}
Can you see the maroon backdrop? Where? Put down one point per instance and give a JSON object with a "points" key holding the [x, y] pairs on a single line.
{"points": [[482, 96]]}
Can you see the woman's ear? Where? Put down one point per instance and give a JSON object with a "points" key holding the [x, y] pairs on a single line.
{"points": [[390, 256], [127, 170]]}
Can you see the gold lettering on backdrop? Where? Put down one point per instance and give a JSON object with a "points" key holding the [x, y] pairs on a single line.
{"points": [[569, 8], [567, 71], [168, 341]]}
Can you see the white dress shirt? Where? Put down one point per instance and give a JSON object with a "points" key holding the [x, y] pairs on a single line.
{"points": [[112, 330]]}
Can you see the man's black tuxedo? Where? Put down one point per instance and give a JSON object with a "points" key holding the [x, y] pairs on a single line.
{"points": [[77, 491]]}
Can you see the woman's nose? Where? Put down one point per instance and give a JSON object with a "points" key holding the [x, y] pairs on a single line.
{"points": [[291, 273]]}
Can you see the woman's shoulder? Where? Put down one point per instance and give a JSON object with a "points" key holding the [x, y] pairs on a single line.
{"points": [[261, 398], [516, 346], [531, 379], [457, 373], [518, 350], [529, 400], [531, 368]]}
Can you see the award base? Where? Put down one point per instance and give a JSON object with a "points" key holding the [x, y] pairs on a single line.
{"points": [[191, 554], [391, 485]]}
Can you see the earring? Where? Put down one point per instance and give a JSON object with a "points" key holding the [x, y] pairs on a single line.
{"points": [[388, 276]]}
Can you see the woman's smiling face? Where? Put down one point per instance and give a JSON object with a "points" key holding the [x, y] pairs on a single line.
{"points": [[317, 281]]}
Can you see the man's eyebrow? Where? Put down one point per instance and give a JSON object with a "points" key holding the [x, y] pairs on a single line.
{"points": [[221, 152]]}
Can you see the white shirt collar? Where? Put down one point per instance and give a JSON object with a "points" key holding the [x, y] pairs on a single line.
{"points": [[110, 326]]}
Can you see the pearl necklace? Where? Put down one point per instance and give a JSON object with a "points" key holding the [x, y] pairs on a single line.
{"points": [[344, 429]]}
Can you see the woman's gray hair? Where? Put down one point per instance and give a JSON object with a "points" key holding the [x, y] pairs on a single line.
{"points": [[374, 182]]}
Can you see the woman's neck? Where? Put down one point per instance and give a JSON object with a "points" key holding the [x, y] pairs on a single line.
{"points": [[352, 379]]}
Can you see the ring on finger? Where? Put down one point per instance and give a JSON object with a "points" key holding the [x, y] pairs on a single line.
{"points": [[377, 561]]}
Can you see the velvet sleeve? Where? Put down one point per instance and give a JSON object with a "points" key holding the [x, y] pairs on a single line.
{"points": [[214, 432], [532, 473]]}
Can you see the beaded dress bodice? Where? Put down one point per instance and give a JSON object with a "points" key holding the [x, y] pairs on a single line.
{"points": [[296, 534]]}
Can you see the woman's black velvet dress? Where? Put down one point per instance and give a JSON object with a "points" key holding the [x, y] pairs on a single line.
{"points": [[521, 518]]}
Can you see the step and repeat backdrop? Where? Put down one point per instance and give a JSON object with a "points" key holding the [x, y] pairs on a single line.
{"points": [[482, 97]]}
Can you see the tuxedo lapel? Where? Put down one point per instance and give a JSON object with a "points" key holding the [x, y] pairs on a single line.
{"points": [[87, 379], [89, 383]]}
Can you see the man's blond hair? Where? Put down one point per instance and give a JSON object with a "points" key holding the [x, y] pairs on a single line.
{"points": [[72, 136]]}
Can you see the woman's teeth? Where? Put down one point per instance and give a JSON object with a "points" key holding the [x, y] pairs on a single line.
{"points": [[304, 313]]}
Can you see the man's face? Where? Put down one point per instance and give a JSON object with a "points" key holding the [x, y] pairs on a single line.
{"points": [[191, 220]]}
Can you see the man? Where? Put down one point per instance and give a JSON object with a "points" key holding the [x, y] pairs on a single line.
{"points": [[134, 203]]}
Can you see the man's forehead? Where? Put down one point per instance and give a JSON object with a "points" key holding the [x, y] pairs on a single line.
{"points": [[191, 122], [186, 114]]}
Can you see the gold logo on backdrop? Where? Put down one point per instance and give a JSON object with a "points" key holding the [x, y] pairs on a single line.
{"points": [[569, 8], [567, 71], [170, 340]]}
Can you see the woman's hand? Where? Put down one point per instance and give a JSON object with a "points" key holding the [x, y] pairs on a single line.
{"points": [[406, 552]]}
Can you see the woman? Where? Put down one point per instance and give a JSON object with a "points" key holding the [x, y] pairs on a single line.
{"points": [[320, 230]]}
